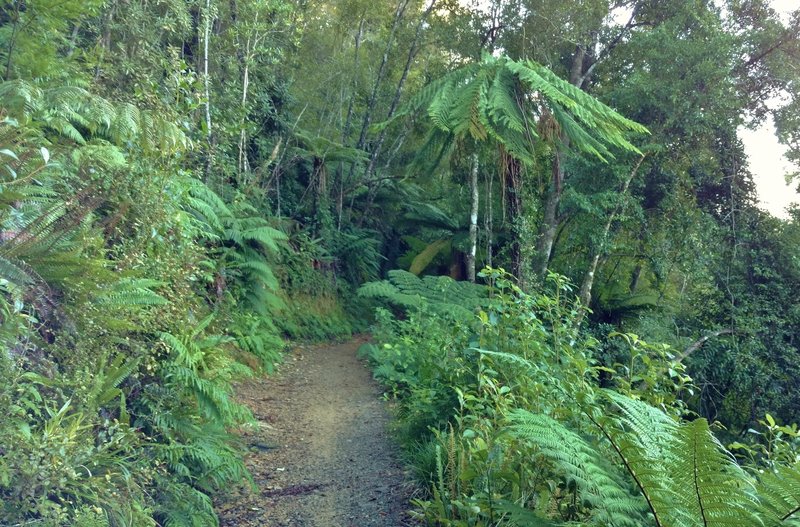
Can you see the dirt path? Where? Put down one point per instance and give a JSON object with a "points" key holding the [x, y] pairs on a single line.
{"points": [[321, 455]]}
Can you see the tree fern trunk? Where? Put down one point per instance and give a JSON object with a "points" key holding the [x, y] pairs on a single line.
{"points": [[512, 179]]}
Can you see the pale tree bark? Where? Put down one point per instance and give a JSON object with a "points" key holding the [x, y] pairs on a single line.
{"points": [[487, 219], [207, 82], [251, 47], [585, 294], [244, 165], [340, 180], [354, 81], [206, 78], [473, 219], [699, 343]]}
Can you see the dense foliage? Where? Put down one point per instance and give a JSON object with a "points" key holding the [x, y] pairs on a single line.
{"points": [[186, 183], [510, 418]]}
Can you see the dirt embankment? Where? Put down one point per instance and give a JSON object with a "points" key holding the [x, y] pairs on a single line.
{"points": [[321, 455]]}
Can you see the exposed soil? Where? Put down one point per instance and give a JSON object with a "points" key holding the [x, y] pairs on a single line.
{"points": [[320, 455]]}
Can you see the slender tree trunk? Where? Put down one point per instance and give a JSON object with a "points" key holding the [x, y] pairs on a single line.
{"points": [[244, 165], [398, 17], [354, 83], [699, 343], [473, 219], [583, 64], [412, 53], [320, 185], [73, 39], [550, 220], [487, 219], [584, 61], [549, 225], [362, 139], [585, 295], [635, 276], [340, 179], [207, 81], [12, 39]]}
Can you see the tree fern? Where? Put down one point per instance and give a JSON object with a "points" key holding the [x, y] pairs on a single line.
{"points": [[70, 109], [357, 254], [600, 484], [778, 488], [713, 488], [441, 293], [429, 215], [504, 99], [254, 230], [684, 475]]}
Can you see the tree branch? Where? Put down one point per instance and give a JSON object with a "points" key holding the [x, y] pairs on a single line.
{"points": [[699, 343]]}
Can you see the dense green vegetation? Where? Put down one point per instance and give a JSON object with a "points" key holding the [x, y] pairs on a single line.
{"points": [[184, 184], [511, 418]]}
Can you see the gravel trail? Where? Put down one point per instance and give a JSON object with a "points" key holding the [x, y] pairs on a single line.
{"points": [[320, 455]]}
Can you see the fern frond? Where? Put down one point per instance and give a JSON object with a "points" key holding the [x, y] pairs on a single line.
{"points": [[132, 292], [712, 487], [580, 462], [444, 295], [426, 256], [429, 215], [778, 489], [264, 234]]}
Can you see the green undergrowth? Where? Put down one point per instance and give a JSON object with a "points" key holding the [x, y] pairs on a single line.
{"points": [[126, 317], [509, 418]]}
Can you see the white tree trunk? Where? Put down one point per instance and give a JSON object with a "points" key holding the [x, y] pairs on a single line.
{"points": [[473, 219], [207, 80]]}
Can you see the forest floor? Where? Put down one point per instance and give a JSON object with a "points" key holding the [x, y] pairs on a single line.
{"points": [[320, 454]]}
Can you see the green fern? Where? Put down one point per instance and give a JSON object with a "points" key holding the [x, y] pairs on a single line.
{"points": [[357, 254], [131, 292], [682, 472], [600, 484], [201, 369], [779, 491], [181, 505], [441, 293], [491, 99], [65, 109]]}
